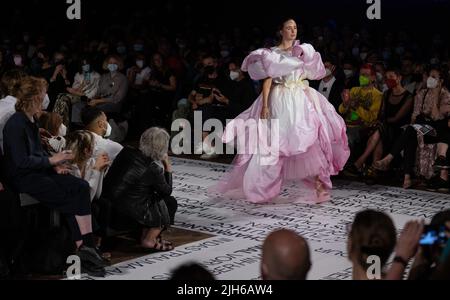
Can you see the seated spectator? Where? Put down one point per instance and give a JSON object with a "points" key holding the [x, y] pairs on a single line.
{"points": [[360, 107], [191, 272], [95, 121], [380, 71], [84, 88], [330, 87], [431, 107], [208, 98], [18, 61], [395, 113], [241, 90], [351, 74], [33, 172], [285, 256], [429, 258], [9, 84], [371, 233], [162, 85], [111, 93], [138, 74], [139, 186], [55, 73], [52, 123], [85, 165]]}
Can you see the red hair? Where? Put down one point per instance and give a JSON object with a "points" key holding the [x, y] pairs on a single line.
{"points": [[369, 67]]}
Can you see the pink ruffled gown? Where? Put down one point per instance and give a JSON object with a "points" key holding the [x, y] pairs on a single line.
{"points": [[312, 135]]}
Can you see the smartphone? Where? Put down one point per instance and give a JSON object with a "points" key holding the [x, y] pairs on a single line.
{"points": [[433, 235], [205, 92]]}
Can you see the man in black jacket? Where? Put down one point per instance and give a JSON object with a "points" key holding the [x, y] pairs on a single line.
{"points": [[330, 86]]}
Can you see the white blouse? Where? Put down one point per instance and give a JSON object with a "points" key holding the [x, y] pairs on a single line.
{"points": [[92, 176]]}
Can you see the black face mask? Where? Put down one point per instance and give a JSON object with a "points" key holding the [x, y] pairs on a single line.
{"points": [[209, 70], [417, 77]]}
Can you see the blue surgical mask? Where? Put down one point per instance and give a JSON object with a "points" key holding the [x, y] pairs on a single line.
{"points": [[121, 49], [86, 68], [113, 67], [138, 47]]}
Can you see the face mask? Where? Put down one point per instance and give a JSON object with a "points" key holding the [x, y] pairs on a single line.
{"points": [[348, 73], [46, 102], [18, 60], [140, 63], [391, 83], [434, 61], [26, 38], [224, 53], [234, 75], [62, 130], [432, 83], [328, 72], [355, 51], [364, 80], [399, 50], [386, 55], [121, 49], [108, 130], [86, 68], [113, 67], [363, 55], [138, 47], [417, 77], [379, 76]]}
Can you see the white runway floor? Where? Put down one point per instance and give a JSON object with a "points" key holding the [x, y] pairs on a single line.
{"points": [[239, 227]]}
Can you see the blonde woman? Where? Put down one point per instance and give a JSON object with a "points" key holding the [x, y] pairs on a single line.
{"points": [[84, 165]]}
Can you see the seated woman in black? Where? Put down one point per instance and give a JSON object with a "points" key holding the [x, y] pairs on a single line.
{"points": [[33, 172], [139, 186]]}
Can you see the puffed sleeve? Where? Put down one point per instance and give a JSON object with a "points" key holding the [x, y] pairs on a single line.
{"points": [[313, 67], [265, 63]]}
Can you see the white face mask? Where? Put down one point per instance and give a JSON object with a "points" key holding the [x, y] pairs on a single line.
{"points": [[46, 102], [108, 130], [18, 61], [62, 130], [432, 83], [379, 76], [140, 63], [348, 73], [328, 72], [234, 75]]}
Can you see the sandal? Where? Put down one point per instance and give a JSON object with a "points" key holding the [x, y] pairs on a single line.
{"points": [[159, 246], [321, 193]]}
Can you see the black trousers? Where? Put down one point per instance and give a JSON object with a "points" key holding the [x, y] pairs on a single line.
{"points": [[172, 206], [11, 229], [408, 144], [64, 193]]}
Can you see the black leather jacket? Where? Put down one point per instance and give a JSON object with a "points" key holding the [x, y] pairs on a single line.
{"points": [[137, 186]]}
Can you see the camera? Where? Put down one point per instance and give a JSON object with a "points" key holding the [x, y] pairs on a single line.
{"points": [[433, 235]]}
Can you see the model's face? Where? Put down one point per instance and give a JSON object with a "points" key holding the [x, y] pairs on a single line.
{"points": [[289, 31]]}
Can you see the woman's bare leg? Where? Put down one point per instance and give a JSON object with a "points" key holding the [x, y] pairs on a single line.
{"points": [[371, 145]]}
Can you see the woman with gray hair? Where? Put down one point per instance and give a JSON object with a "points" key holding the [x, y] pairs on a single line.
{"points": [[139, 186]]}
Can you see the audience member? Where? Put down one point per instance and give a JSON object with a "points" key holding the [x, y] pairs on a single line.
{"points": [[285, 256], [139, 186]]}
